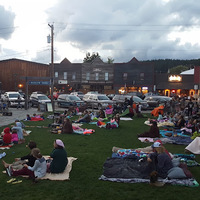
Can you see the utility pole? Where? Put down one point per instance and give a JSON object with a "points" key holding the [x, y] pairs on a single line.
{"points": [[52, 66]]}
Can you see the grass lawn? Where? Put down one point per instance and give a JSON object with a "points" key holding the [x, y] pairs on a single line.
{"points": [[91, 151]]}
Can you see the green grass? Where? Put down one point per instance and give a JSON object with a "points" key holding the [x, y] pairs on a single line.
{"points": [[91, 151]]}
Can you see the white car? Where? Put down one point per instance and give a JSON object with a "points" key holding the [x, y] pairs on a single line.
{"points": [[12, 98]]}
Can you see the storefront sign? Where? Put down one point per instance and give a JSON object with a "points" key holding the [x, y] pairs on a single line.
{"points": [[62, 81], [175, 78]]}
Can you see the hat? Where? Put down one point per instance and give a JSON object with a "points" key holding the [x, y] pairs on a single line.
{"points": [[60, 143], [6, 130], [156, 144]]}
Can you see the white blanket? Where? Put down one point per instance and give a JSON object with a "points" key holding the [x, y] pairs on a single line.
{"points": [[61, 176]]}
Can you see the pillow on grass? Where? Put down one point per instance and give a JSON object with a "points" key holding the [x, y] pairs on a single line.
{"points": [[176, 162], [176, 172]]}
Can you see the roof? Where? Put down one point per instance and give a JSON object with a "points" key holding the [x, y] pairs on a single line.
{"points": [[188, 72]]}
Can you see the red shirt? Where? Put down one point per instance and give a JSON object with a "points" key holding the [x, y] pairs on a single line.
{"points": [[7, 138]]}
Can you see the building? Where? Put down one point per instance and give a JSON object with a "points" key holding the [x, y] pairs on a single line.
{"points": [[133, 76], [67, 76], [186, 83], [14, 71]]}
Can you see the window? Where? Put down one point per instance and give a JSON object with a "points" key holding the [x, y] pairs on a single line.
{"points": [[88, 76], [96, 76], [56, 74], [106, 76], [142, 76], [125, 75], [65, 75], [74, 76]]}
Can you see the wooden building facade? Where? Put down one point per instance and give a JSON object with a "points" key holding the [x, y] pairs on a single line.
{"points": [[12, 72]]}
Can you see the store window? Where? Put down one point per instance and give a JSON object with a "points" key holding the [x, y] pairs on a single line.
{"points": [[56, 74], [65, 75], [96, 76], [74, 76], [142, 76], [88, 76], [106, 76], [125, 76]]}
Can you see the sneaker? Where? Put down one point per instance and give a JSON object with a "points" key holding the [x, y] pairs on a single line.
{"points": [[9, 171]]}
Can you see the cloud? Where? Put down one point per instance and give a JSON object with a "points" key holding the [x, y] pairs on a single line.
{"points": [[6, 23], [126, 29]]}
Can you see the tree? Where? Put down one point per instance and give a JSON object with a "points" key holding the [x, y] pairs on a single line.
{"points": [[90, 58], [110, 60], [178, 69]]}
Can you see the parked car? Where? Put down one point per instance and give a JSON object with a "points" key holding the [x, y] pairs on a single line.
{"points": [[38, 98], [155, 101], [139, 94], [119, 98], [78, 94], [12, 98], [97, 100], [67, 100]]}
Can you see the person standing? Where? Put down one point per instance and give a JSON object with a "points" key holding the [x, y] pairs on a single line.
{"points": [[19, 105], [190, 107]]}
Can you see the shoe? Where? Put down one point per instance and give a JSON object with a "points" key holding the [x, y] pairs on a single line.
{"points": [[9, 171], [11, 180], [17, 182]]}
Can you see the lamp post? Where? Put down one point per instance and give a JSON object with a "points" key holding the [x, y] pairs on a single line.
{"points": [[52, 66]]}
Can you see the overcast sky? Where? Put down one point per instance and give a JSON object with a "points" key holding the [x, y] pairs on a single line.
{"points": [[120, 29]]}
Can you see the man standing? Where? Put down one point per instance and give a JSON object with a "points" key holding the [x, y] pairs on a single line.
{"points": [[19, 105]]}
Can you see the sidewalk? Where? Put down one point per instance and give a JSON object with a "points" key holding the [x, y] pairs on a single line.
{"points": [[17, 114]]}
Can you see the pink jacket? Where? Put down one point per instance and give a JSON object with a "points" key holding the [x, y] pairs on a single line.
{"points": [[14, 137]]}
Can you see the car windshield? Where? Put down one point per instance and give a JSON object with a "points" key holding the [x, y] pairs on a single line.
{"points": [[74, 98], [103, 97], [43, 98], [137, 99], [13, 95]]}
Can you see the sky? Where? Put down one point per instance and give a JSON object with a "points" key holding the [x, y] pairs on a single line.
{"points": [[117, 29]]}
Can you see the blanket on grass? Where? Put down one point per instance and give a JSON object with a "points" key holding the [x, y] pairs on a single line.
{"points": [[62, 176], [182, 182], [133, 170], [6, 146], [172, 140]]}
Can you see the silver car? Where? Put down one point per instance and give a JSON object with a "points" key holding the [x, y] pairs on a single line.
{"points": [[97, 100]]}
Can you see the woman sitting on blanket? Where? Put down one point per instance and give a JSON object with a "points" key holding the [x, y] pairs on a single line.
{"points": [[154, 131], [159, 161], [65, 128], [86, 118], [27, 159], [37, 171], [58, 158], [101, 114]]}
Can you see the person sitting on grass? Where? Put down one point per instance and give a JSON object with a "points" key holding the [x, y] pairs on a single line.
{"points": [[28, 159], [58, 158], [37, 171], [86, 118], [14, 139], [65, 128], [154, 131], [19, 130], [7, 137], [159, 160]]}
